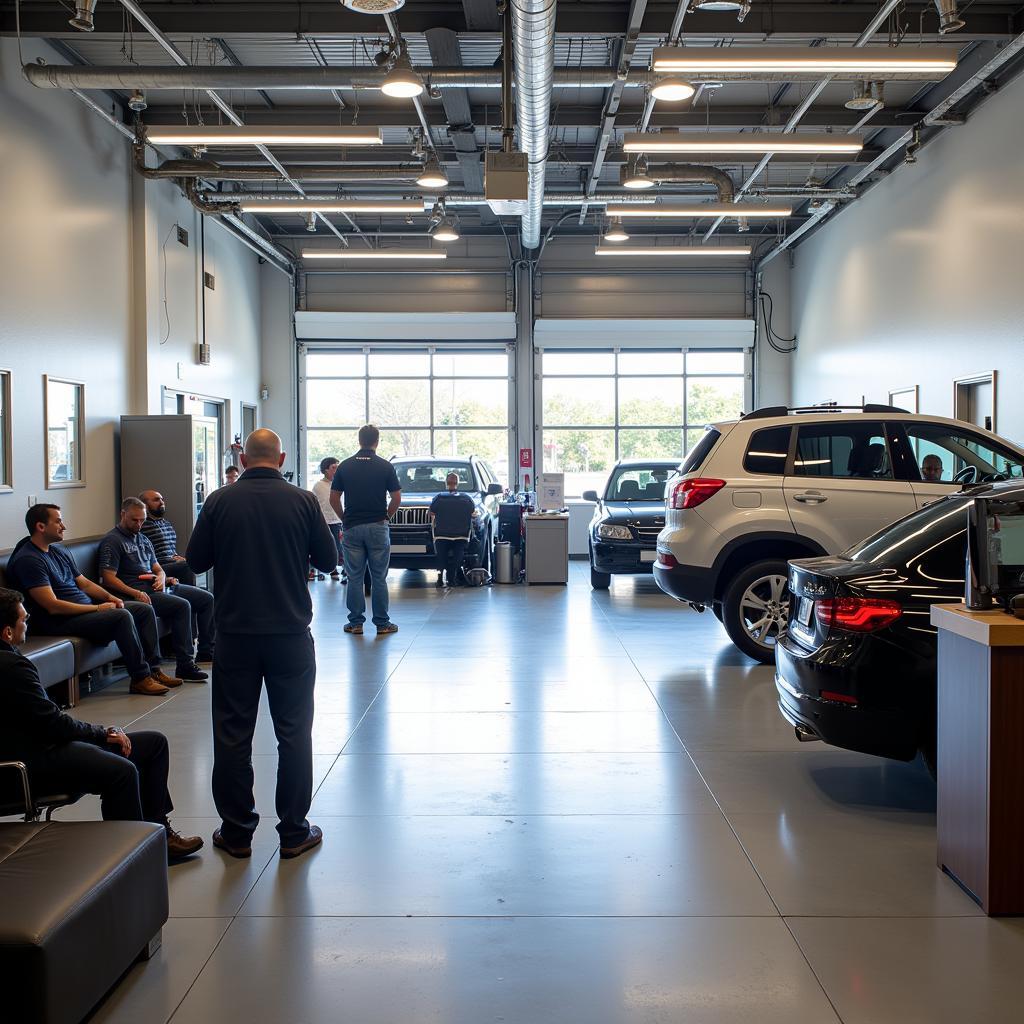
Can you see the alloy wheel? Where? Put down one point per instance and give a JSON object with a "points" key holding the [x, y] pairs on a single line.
{"points": [[764, 609]]}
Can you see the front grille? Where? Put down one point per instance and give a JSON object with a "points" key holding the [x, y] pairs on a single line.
{"points": [[412, 516], [648, 535]]}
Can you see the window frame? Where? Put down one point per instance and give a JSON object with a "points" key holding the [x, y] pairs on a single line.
{"points": [[6, 431], [80, 479], [911, 467], [883, 431]]}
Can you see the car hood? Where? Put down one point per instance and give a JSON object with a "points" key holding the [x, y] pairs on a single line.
{"points": [[645, 511]]}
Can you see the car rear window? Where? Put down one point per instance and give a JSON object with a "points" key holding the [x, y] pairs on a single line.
{"points": [[910, 536], [767, 451], [699, 453]]}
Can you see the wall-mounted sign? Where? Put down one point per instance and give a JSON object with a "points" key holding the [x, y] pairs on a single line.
{"points": [[525, 458]]}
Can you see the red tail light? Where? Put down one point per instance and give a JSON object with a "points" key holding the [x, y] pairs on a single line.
{"points": [[857, 614], [667, 560], [694, 492]]}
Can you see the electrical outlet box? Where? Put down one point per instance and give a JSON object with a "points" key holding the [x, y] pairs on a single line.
{"points": [[182, 235], [506, 182], [32, 500], [204, 354], [208, 279]]}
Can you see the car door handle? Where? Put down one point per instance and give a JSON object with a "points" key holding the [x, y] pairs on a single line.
{"points": [[810, 497]]}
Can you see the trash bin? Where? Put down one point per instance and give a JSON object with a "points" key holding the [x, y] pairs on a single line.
{"points": [[503, 562]]}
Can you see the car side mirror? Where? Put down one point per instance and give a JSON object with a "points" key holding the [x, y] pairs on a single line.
{"points": [[591, 496], [495, 489]]}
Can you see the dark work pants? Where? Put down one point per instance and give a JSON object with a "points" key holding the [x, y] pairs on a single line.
{"points": [[450, 556], [132, 628], [242, 663], [180, 571], [177, 613], [131, 788]]}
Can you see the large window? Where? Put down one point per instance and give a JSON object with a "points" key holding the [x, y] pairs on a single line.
{"points": [[65, 428], [426, 401], [601, 406]]}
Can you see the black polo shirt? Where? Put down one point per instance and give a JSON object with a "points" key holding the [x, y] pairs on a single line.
{"points": [[366, 480]]}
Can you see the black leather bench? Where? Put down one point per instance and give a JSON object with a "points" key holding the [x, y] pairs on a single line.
{"points": [[82, 900], [47, 653]]}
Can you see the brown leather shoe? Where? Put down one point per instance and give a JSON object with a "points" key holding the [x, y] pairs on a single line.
{"points": [[315, 838], [241, 852], [147, 686], [162, 677], [179, 846]]}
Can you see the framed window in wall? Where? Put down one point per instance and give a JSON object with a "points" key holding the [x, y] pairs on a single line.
{"points": [[426, 400], [6, 435], [248, 420], [64, 414], [908, 398], [600, 406]]}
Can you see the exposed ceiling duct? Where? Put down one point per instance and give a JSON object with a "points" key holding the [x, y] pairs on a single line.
{"points": [[533, 43]]}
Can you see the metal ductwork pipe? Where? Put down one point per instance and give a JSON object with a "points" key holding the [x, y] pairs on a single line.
{"points": [[533, 43], [452, 199], [949, 16], [212, 171], [675, 174]]}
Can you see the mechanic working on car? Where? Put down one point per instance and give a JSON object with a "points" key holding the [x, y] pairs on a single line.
{"points": [[931, 469], [452, 516]]}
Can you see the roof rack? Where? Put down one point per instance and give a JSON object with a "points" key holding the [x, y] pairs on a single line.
{"points": [[784, 410]]}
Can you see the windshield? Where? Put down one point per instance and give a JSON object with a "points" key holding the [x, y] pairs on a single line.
{"points": [[913, 534], [428, 478], [639, 483]]}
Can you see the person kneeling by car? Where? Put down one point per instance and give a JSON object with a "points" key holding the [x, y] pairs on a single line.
{"points": [[452, 516], [127, 770]]}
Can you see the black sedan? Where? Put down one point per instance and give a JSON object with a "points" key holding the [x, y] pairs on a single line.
{"points": [[856, 666], [629, 516], [421, 480]]}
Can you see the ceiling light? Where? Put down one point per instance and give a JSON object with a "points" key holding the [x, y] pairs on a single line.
{"points": [[672, 89], [402, 82], [84, 10], [697, 210], [374, 6], [311, 222], [616, 232], [137, 101], [374, 254], [949, 16], [432, 175], [445, 230], [265, 135], [341, 206], [634, 175], [861, 62], [861, 98], [741, 7], [740, 142], [677, 250]]}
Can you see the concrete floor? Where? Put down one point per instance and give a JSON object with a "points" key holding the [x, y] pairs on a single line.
{"points": [[553, 804]]}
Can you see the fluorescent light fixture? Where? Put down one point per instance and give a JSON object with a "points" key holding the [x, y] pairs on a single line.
{"points": [[265, 135], [740, 142], [402, 82], [374, 254], [673, 250], [342, 206], [432, 175], [672, 89], [875, 61], [697, 210], [616, 232]]}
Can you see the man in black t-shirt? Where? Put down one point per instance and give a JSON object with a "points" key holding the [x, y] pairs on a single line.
{"points": [[367, 481], [452, 514]]}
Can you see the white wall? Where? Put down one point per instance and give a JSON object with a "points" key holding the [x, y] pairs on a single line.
{"points": [[919, 282], [277, 359], [82, 291]]}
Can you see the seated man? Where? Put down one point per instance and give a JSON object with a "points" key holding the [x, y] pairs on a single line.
{"points": [[931, 469], [164, 538], [452, 515], [127, 770], [128, 566], [65, 603]]}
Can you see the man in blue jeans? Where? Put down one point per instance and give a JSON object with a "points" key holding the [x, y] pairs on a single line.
{"points": [[372, 495]]}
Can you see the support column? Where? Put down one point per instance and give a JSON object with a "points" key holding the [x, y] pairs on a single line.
{"points": [[526, 385]]}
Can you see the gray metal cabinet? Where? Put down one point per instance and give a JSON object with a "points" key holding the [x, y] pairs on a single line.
{"points": [[547, 548]]}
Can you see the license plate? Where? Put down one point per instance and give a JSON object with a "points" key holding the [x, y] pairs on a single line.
{"points": [[648, 556], [409, 549], [804, 610]]}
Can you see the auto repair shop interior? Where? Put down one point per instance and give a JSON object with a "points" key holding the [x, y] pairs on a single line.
{"points": [[715, 309]]}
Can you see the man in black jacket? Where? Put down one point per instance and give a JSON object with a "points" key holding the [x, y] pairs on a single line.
{"points": [[260, 536], [128, 771]]}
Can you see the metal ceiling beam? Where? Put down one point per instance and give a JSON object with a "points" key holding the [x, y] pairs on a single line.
{"points": [[328, 19], [481, 15], [235, 62]]}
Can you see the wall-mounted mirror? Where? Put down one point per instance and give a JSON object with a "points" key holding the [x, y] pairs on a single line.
{"points": [[65, 432]]}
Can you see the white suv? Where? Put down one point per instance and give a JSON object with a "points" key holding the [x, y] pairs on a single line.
{"points": [[794, 483]]}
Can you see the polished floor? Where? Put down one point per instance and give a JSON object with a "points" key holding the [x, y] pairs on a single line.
{"points": [[549, 804]]}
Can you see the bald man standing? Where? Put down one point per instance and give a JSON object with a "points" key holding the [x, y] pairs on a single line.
{"points": [[259, 537]]}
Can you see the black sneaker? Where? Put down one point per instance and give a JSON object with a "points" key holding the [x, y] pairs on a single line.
{"points": [[205, 656], [190, 672]]}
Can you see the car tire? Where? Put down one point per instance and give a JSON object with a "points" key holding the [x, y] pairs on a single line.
{"points": [[716, 610], [599, 580], [761, 584], [485, 554]]}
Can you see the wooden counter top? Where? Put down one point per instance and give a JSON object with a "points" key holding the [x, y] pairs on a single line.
{"points": [[992, 628]]}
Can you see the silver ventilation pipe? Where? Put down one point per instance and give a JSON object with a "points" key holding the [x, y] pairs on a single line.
{"points": [[675, 174], [949, 16], [533, 43]]}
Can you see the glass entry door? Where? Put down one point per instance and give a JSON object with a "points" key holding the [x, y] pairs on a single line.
{"points": [[205, 457]]}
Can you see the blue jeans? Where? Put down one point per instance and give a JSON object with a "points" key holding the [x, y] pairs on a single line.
{"points": [[367, 545]]}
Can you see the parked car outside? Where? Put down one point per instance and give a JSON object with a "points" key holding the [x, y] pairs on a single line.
{"points": [[421, 480], [856, 666], [630, 514], [782, 483]]}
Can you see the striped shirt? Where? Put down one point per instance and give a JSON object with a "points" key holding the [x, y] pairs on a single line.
{"points": [[162, 536]]}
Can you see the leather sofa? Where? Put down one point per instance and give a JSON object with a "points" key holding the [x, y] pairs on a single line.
{"points": [[50, 654], [82, 900]]}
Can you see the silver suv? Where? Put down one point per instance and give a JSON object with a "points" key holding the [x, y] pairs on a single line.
{"points": [[794, 483]]}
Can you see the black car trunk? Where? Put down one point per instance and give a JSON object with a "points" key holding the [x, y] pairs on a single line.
{"points": [[813, 580]]}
